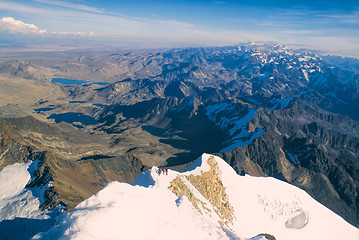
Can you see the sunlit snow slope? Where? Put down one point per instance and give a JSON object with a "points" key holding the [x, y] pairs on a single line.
{"points": [[15, 199], [208, 201], [20, 213]]}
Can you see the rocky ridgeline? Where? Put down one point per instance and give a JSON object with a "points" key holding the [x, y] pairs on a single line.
{"points": [[209, 184]]}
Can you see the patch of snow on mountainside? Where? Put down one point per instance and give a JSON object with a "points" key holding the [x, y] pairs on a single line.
{"points": [[3, 154], [247, 139], [15, 199], [279, 104], [233, 119], [293, 158], [20, 213], [208, 201]]}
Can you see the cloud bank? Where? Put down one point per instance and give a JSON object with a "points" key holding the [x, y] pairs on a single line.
{"points": [[12, 25]]}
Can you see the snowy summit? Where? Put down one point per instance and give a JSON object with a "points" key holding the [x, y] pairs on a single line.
{"points": [[207, 201]]}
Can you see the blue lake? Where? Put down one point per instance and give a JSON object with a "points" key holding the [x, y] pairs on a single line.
{"points": [[66, 81], [72, 117]]}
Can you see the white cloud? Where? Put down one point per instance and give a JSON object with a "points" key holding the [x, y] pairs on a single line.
{"points": [[12, 25], [172, 23], [75, 33], [347, 18], [71, 5], [90, 16]]}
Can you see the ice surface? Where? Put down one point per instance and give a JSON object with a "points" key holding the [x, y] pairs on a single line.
{"points": [[298, 221]]}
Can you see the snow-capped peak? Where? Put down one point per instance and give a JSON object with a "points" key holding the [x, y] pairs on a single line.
{"points": [[207, 201]]}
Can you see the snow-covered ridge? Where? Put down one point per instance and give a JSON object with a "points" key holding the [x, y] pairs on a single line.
{"points": [[279, 69], [21, 198], [179, 206], [234, 118], [15, 199]]}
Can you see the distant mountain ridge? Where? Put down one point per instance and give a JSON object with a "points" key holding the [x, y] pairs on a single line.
{"points": [[249, 70]]}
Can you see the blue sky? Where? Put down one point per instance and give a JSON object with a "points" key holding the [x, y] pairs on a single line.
{"points": [[324, 25]]}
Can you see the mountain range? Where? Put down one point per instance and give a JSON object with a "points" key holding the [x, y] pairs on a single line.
{"points": [[267, 110]]}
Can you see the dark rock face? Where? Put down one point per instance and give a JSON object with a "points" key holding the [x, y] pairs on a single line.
{"points": [[11, 151]]}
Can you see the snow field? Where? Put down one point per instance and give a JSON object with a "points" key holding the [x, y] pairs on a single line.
{"points": [[148, 209], [265, 204], [15, 200], [123, 211]]}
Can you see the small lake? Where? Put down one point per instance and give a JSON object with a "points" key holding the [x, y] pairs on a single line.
{"points": [[73, 117], [66, 81]]}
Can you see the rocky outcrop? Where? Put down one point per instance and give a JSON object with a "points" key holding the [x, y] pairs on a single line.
{"points": [[209, 185]]}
